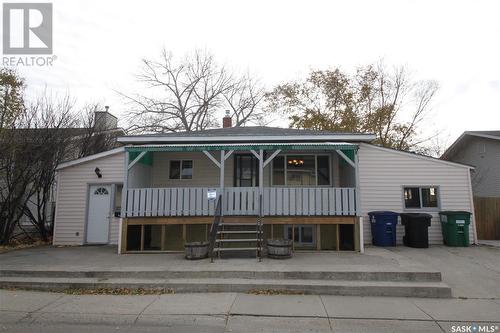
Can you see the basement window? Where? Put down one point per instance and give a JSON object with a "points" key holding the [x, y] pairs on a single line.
{"points": [[421, 197], [181, 169]]}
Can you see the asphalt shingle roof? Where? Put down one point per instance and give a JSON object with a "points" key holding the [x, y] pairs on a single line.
{"points": [[248, 131]]}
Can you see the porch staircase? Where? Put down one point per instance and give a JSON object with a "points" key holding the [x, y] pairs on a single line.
{"points": [[239, 237]]}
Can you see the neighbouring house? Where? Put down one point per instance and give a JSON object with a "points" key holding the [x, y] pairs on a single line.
{"points": [[481, 149], [101, 135], [160, 191]]}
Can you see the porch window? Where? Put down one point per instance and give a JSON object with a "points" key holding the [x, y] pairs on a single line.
{"points": [[181, 169], [301, 170], [302, 236], [421, 197]]}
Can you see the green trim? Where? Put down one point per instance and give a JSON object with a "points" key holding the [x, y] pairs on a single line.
{"points": [[146, 159], [349, 153], [199, 148]]}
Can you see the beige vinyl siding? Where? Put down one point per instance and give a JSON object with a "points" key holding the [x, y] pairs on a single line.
{"points": [[114, 231], [71, 208], [384, 172], [205, 172]]}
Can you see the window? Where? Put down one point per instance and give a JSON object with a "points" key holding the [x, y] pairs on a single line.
{"points": [[118, 200], [421, 197], [301, 170], [302, 234], [101, 191], [181, 169]]}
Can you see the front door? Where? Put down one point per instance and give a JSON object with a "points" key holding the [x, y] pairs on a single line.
{"points": [[98, 214], [245, 171]]}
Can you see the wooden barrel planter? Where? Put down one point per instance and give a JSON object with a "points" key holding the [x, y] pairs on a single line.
{"points": [[196, 250], [279, 248]]}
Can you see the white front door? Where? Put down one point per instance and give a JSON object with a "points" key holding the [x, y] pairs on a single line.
{"points": [[98, 214]]}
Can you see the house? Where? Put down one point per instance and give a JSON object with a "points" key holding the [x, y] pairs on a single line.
{"points": [[100, 134], [481, 149], [159, 191]]}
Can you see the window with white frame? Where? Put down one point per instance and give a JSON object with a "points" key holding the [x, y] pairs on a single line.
{"points": [[301, 170], [302, 235], [417, 197], [181, 169]]}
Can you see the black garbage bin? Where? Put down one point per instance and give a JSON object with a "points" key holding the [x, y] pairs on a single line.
{"points": [[416, 229]]}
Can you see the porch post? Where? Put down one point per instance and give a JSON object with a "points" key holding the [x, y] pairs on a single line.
{"points": [[222, 162], [124, 204], [261, 172], [359, 212]]}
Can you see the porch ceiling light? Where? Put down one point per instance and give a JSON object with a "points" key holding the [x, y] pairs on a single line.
{"points": [[296, 162]]}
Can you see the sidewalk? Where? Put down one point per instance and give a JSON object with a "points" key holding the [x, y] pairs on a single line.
{"points": [[230, 312]]}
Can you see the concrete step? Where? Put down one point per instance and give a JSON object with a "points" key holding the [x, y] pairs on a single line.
{"points": [[239, 232], [236, 224], [320, 287], [237, 240], [405, 276], [229, 249]]}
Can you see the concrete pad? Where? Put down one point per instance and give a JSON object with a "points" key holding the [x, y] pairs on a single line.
{"points": [[26, 301], [11, 316], [208, 304], [179, 323], [372, 307], [279, 305], [246, 324], [101, 304], [383, 326], [462, 267], [460, 309]]}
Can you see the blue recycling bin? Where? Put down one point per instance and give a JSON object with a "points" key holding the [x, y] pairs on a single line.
{"points": [[383, 225]]}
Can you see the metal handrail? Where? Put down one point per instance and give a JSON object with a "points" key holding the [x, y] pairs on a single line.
{"points": [[214, 228], [260, 235]]}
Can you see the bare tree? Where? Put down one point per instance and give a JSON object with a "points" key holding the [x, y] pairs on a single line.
{"points": [[188, 94], [243, 99], [93, 137], [182, 95], [51, 135]]}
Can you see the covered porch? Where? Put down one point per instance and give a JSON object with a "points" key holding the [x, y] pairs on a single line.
{"points": [[308, 179], [295, 189]]}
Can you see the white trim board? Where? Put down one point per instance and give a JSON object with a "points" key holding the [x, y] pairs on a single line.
{"points": [[90, 158], [247, 138], [415, 155]]}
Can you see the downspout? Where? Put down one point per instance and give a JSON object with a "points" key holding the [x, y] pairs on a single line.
{"points": [[359, 211], [473, 213], [124, 202]]}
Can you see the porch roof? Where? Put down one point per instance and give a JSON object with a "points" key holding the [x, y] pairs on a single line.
{"points": [[244, 146]]}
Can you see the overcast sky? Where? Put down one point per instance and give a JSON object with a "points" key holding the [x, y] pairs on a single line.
{"points": [[99, 45]]}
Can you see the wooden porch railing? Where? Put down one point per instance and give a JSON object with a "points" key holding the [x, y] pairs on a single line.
{"points": [[277, 201]]}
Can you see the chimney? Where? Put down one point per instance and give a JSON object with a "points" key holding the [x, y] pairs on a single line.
{"points": [[227, 121], [103, 120]]}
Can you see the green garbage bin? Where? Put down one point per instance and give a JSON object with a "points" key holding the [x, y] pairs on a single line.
{"points": [[455, 227]]}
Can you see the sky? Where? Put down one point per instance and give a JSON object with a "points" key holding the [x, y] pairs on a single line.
{"points": [[99, 45]]}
